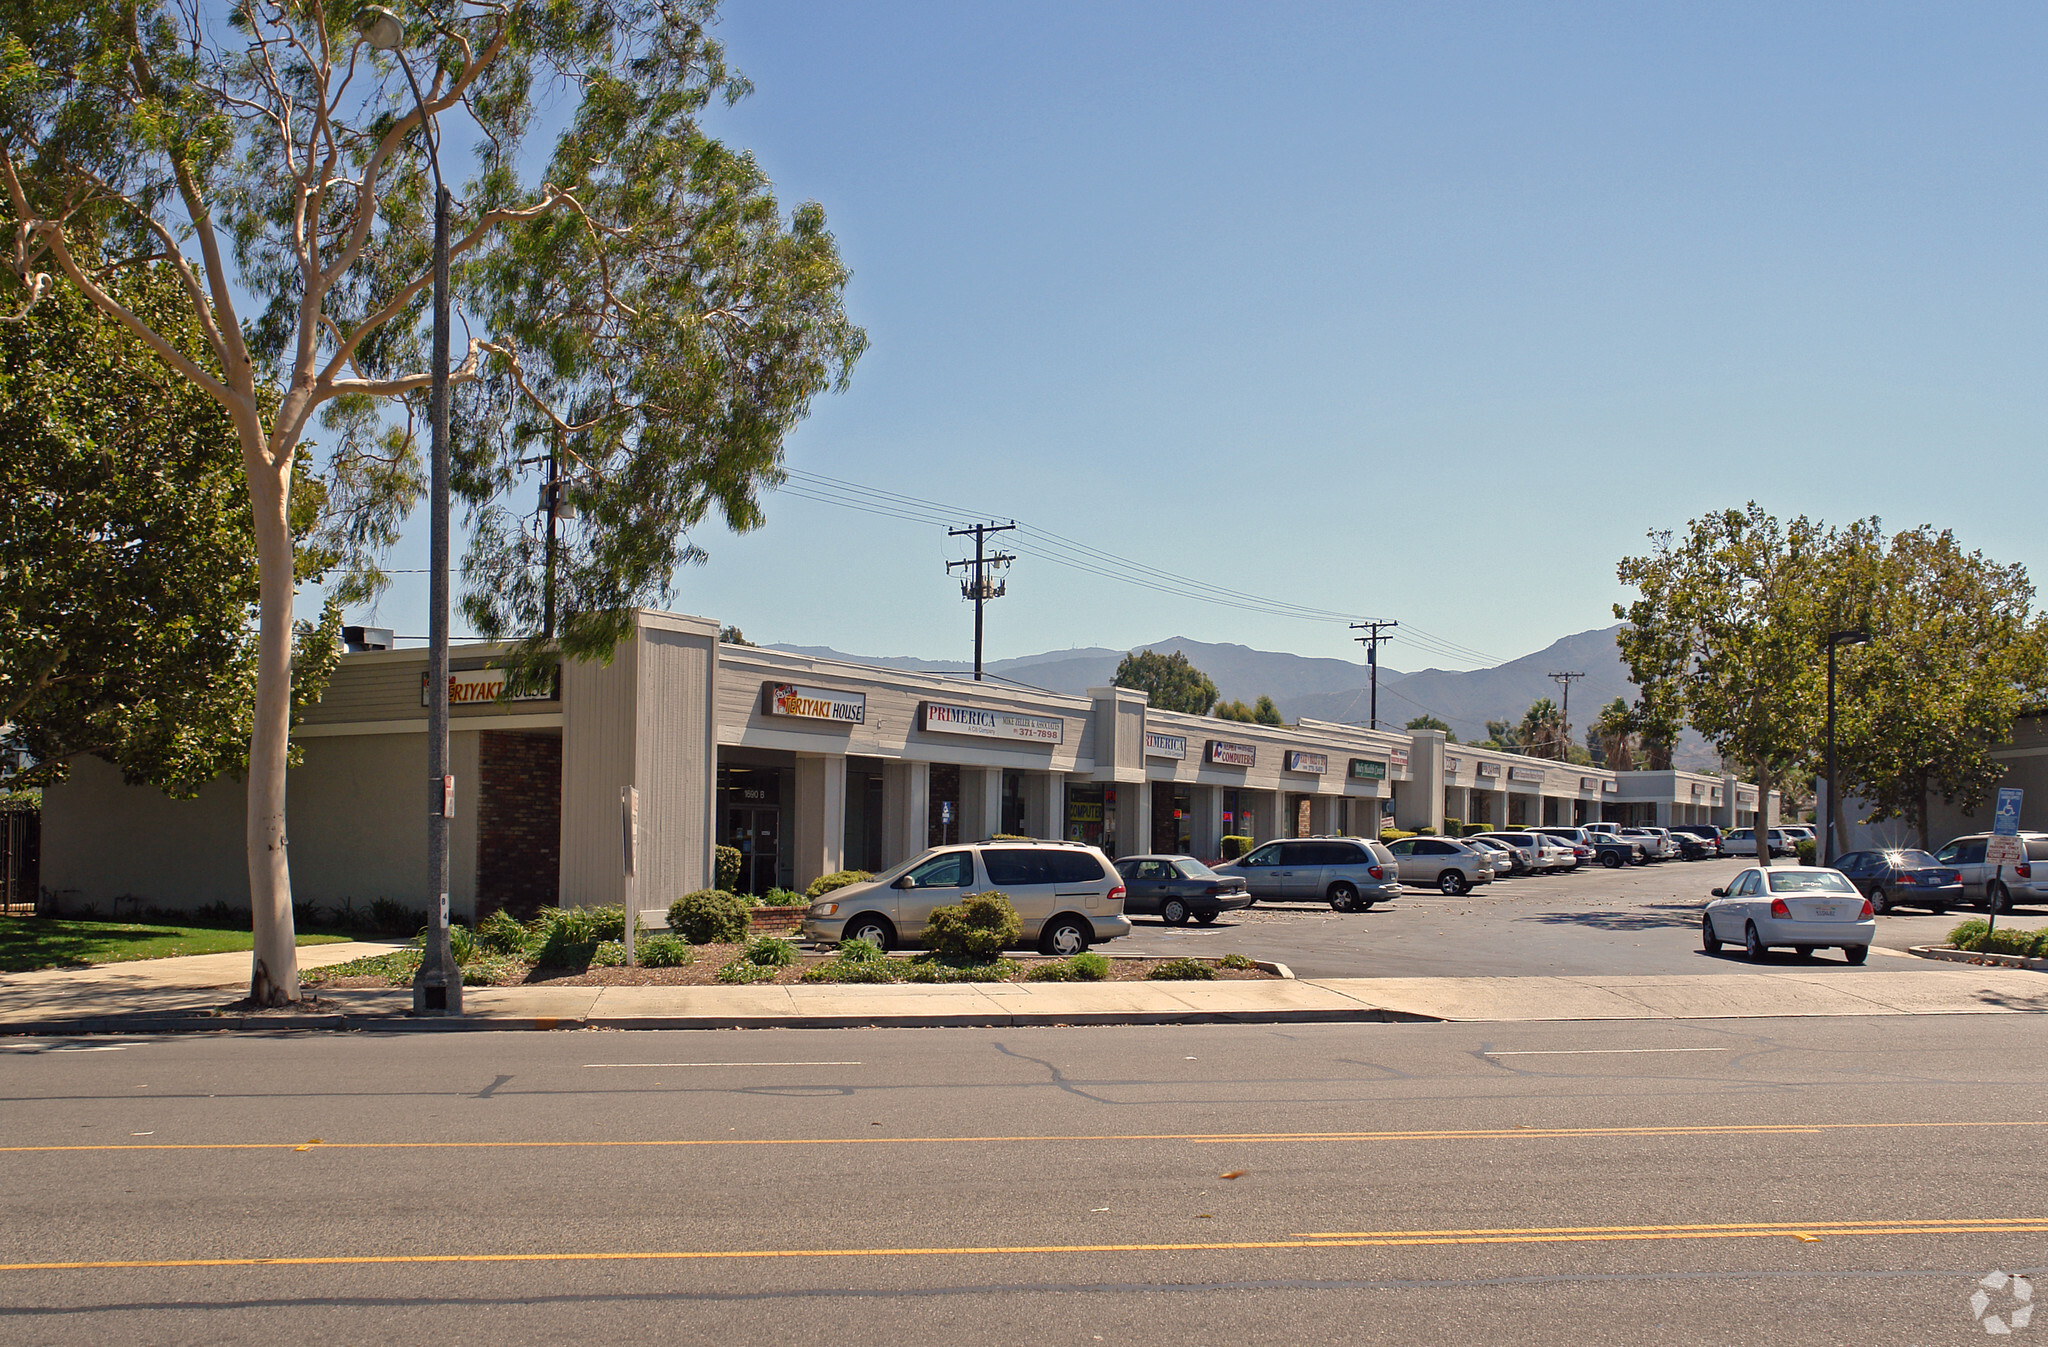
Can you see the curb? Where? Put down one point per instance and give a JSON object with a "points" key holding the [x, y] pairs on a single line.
{"points": [[198, 1024], [1950, 954]]}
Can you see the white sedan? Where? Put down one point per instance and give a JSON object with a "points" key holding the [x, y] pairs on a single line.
{"points": [[1803, 906]]}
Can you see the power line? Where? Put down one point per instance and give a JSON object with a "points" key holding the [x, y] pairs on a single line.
{"points": [[977, 585], [1371, 641]]}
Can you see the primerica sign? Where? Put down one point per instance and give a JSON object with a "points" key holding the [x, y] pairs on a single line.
{"points": [[1165, 745], [1226, 754], [938, 717], [789, 699], [1315, 764], [475, 687]]}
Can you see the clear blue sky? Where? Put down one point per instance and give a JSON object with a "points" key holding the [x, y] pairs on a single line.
{"points": [[1426, 312]]}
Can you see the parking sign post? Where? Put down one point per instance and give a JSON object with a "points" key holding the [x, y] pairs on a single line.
{"points": [[2002, 848]]}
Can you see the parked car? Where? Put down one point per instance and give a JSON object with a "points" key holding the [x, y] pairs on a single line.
{"points": [[1507, 861], [1068, 894], [1541, 851], [1797, 831], [1657, 843], [1691, 847], [1742, 842], [1889, 878], [1349, 873], [1441, 863], [1989, 887], [1175, 888], [1803, 906], [1706, 832]]}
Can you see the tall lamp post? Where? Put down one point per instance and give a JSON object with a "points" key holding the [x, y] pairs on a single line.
{"points": [[1827, 824], [437, 987]]}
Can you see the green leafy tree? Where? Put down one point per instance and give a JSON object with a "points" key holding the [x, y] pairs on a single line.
{"points": [[1722, 634], [1611, 737], [1266, 713], [1237, 711], [638, 308], [127, 569], [1502, 734], [1429, 722], [1170, 681]]}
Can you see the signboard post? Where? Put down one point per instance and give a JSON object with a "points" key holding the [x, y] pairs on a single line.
{"points": [[629, 817], [2003, 847]]}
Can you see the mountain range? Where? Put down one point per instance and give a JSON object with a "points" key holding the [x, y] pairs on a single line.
{"points": [[1336, 689]]}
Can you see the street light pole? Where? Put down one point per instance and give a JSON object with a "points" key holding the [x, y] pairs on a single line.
{"points": [[437, 987], [1827, 824]]}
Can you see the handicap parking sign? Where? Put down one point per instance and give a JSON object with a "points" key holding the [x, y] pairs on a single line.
{"points": [[2006, 821]]}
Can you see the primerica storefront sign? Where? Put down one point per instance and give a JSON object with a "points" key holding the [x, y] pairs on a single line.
{"points": [[474, 687], [941, 718], [1165, 745], [791, 699], [1226, 754]]}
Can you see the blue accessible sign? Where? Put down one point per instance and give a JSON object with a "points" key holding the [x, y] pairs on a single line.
{"points": [[2004, 846]]}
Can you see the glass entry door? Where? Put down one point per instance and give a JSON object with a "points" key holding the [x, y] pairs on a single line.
{"points": [[755, 830]]}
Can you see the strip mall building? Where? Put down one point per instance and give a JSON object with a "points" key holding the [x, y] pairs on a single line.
{"points": [[806, 765]]}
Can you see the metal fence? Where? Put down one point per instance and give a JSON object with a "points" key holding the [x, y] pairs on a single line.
{"points": [[21, 834]]}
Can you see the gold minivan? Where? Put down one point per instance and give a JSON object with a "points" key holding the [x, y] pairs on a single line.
{"points": [[1068, 894]]}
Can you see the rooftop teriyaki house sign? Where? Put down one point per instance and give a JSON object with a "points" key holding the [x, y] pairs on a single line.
{"points": [[790, 699]]}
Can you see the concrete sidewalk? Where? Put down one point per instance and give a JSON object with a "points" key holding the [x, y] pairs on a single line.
{"points": [[186, 994]]}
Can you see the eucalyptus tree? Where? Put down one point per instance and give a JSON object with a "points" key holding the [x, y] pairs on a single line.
{"points": [[639, 309]]}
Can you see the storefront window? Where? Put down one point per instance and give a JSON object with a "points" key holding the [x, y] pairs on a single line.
{"points": [[1091, 816], [750, 821]]}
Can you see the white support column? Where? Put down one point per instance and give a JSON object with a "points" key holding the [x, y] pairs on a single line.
{"points": [[906, 810], [1045, 795], [981, 802], [1663, 813], [1133, 818], [1205, 829], [819, 827]]}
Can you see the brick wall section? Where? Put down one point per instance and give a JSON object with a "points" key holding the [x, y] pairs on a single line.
{"points": [[519, 822]]}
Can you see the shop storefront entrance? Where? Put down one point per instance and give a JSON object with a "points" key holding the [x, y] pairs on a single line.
{"points": [[750, 822], [1091, 816], [1172, 819]]}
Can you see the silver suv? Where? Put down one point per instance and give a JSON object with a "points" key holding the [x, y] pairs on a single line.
{"points": [[1069, 895], [1349, 873], [1441, 863], [1986, 886]]}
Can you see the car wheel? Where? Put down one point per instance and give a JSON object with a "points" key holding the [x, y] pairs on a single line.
{"points": [[1880, 901], [1343, 898], [1065, 937], [1856, 953], [1753, 943], [1611, 861], [1709, 942], [1174, 912], [1204, 918], [1803, 951], [1454, 883], [875, 930], [1939, 909], [1998, 898]]}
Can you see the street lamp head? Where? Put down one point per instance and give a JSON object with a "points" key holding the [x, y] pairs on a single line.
{"points": [[381, 28], [1850, 638]]}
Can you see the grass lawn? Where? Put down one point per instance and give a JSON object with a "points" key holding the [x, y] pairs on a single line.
{"points": [[49, 942]]}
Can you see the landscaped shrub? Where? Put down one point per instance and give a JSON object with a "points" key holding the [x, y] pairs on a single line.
{"points": [[711, 917], [1235, 846], [664, 951], [386, 915], [491, 970], [780, 898], [502, 933], [609, 954], [569, 936], [927, 968], [461, 944], [1454, 827], [725, 866], [1236, 961], [979, 926], [1977, 935], [1805, 848], [838, 879], [742, 971], [1393, 834], [770, 951], [1086, 966], [1425, 831], [844, 970], [860, 951], [1182, 970]]}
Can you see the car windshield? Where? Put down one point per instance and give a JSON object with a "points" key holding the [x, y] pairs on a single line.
{"points": [[1912, 860], [1810, 881], [1190, 868]]}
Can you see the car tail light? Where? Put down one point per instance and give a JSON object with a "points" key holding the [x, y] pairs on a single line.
{"points": [[1375, 872], [1778, 908], [1213, 890], [1116, 895], [2023, 870], [1868, 910]]}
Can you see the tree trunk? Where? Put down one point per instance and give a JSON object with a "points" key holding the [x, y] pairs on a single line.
{"points": [[274, 969], [1763, 814]]}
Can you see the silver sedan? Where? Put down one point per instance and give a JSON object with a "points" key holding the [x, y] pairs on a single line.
{"points": [[1803, 906]]}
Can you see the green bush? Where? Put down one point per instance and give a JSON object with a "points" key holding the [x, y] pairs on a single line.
{"points": [[1454, 827], [1393, 834], [1012, 837], [1806, 848], [780, 898], [503, 933], [843, 969], [1474, 829], [1424, 831], [664, 951], [979, 927], [385, 915], [1086, 966], [492, 970], [1977, 935], [609, 954], [1236, 961], [770, 951], [711, 917], [1235, 846], [1968, 933], [725, 866], [838, 879], [461, 944], [1182, 970], [569, 936], [927, 968], [742, 971], [860, 951]]}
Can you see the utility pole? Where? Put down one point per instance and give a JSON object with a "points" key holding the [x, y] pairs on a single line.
{"points": [[1371, 641], [1564, 680], [977, 585]]}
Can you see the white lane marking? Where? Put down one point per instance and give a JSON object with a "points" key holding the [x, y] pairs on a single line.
{"points": [[1590, 1052], [599, 1066]]}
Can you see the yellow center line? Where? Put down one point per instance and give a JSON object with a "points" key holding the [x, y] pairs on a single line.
{"points": [[1199, 1138], [1385, 1239]]}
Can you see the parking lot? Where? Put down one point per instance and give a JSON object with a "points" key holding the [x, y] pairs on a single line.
{"points": [[1638, 920]]}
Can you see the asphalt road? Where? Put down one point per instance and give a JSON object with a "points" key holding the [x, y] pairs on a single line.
{"points": [[1642, 919], [1821, 1181]]}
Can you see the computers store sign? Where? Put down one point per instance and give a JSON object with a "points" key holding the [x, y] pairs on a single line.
{"points": [[788, 699], [1226, 754], [940, 718]]}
